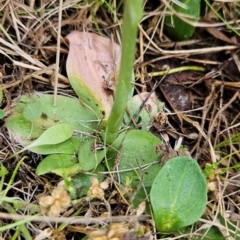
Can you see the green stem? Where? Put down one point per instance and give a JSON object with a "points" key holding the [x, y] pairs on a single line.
{"points": [[174, 70], [132, 16], [21, 227], [12, 178]]}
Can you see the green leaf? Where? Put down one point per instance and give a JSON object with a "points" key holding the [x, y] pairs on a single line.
{"points": [[53, 135], [55, 161], [56, 134], [138, 154], [212, 233], [69, 146], [178, 194], [32, 111], [3, 170], [68, 171], [176, 27], [1, 114], [139, 157], [91, 153], [68, 110], [82, 182]]}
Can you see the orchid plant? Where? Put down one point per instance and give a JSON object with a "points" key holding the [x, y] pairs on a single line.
{"points": [[97, 133]]}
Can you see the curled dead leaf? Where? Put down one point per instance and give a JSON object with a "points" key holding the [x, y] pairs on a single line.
{"points": [[149, 100]]}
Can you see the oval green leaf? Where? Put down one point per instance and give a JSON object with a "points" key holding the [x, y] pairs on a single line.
{"points": [[91, 153], [53, 135], [139, 158], [68, 110], [178, 28], [55, 161], [178, 194], [138, 154], [70, 146], [32, 111]]}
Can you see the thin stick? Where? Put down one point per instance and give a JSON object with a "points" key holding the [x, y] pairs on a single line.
{"points": [[187, 52], [58, 53], [72, 220]]}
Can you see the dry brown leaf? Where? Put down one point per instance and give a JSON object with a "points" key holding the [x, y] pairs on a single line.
{"points": [[92, 67], [220, 35]]}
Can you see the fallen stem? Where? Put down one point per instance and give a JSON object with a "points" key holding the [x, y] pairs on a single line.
{"points": [[174, 70], [70, 220]]}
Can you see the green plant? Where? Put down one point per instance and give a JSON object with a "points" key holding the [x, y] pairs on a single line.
{"points": [[184, 205], [90, 135], [177, 22]]}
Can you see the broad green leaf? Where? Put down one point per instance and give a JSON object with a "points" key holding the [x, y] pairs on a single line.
{"points": [[178, 195], [55, 161], [176, 27], [68, 110], [138, 155], [32, 111], [56, 134], [68, 171], [68, 147], [91, 153]]}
